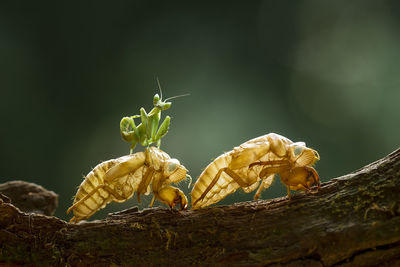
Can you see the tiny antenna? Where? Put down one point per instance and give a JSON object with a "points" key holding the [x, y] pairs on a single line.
{"points": [[172, 97], [159, 87]]}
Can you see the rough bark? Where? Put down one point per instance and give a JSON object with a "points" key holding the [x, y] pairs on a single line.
{"points": [[352, 221], [30, 197]]}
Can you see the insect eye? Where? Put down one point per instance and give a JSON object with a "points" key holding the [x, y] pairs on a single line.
{"points": [[156, 99], [172, 165], [166, 105], [298, 150]]}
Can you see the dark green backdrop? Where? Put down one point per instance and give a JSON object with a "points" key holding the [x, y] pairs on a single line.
{"points": [[326, 73]]}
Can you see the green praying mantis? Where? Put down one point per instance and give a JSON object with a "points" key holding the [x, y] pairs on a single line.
{"points": [[147, 132]]}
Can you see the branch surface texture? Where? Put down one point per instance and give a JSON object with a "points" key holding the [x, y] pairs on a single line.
{"points": [[352, 221]]}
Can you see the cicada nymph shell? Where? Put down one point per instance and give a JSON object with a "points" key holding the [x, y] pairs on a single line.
{"points": [[253, 165], [118, 179]]}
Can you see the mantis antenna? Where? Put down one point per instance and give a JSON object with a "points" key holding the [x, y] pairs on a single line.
{"points": [[172, 97], [159, 86]]}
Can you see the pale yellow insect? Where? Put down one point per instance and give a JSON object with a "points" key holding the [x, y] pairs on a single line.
{"points": [[255, 161], [118, 179]]}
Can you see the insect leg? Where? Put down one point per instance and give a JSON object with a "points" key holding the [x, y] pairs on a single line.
{"points": [[271, 167], [147, 177], [228, 171], [103, 186], [153, 118], [315, 174], [162, 130], [113, 192], [144, 141], [133, 163], [259, 190], [172, 196], [144, 117], [153, 125], [273, 170], [152, 201], [126, 127], [129, 131], [144, 136], [288, 192], [85, 198], [264, 185], [299, 187], [271, 163]]}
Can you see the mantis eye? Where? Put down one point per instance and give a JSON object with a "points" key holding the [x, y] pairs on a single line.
{"points": [[166, 105], [156, 99]]}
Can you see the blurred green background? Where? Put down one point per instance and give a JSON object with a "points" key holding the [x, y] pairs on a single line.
{"points": [[326, 73]]}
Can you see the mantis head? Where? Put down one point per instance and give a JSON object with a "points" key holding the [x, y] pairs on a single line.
{"points": [[160, 104], [163, 104]]}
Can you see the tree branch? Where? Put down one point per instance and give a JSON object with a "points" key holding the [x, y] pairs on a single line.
{"points": [[352, 221], [29, 197]]}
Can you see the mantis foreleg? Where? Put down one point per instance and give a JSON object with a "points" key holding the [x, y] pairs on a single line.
{"points": [[129, 131], [142, 135], [153, 125], [162, 130]]}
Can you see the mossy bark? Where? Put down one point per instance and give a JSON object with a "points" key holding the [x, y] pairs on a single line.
{"points": [[352, 221]]}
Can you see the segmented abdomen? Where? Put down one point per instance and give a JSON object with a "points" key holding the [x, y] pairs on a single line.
{"points": [[125, 186], [99, 199], [225, 184]]}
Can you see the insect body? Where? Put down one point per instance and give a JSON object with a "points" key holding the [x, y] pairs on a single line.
{"points": [[118, 179], [253, 162], [147, 132]]}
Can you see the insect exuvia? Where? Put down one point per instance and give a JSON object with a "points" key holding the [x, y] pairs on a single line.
{"points": [[147, 132], [116, 180], [253, 162], [143, 172]]}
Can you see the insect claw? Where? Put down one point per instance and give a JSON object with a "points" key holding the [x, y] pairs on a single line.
{"points": [[73, 220], [181, 200], [314, 189]]}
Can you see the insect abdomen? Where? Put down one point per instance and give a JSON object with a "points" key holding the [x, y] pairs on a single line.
{"points": [[222, 188], [99, 199]]}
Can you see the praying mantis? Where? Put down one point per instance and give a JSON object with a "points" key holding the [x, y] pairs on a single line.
{"points": [[146, 132]]}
